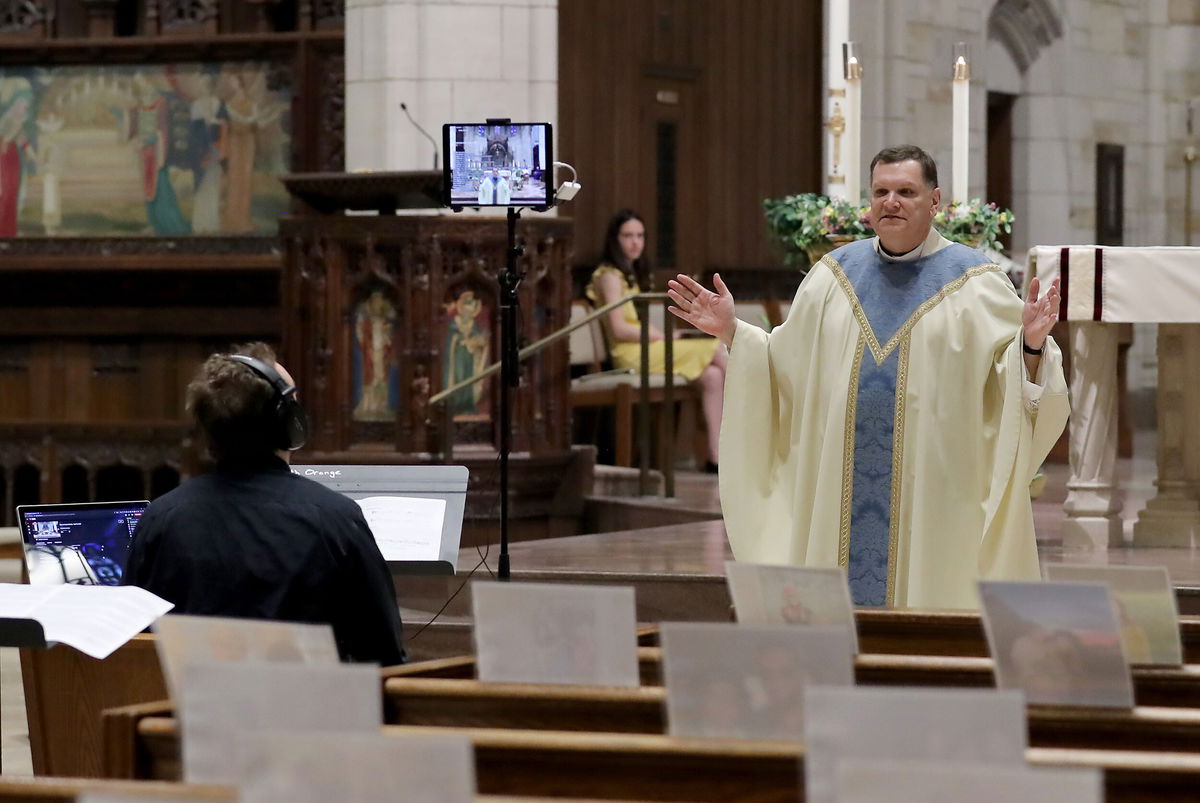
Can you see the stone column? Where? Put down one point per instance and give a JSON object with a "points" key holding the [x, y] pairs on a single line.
{"points": [[1093, 503], [1173, 516], [449, 62]]}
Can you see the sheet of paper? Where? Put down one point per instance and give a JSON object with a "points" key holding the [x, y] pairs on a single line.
{"points": [[359, 768], [906, 725], [184, 640], [1146, 607], [1057, 642], [220, 702], [552, 633], [95, 620], [405, 527], [861, 781], [790, 595], [747, 681]]}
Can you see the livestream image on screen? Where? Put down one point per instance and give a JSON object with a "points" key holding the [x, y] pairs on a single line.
{"points": [[498, 165], [84, 547]]}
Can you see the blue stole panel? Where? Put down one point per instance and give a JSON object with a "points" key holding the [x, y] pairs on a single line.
{"points": [[889, 294]]}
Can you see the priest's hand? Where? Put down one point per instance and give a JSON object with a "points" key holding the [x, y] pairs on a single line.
{"points": [[1040, 314], [709, 312]]}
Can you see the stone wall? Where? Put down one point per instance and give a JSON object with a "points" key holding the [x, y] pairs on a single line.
{"points": [[449, 60], [1115, 71]]}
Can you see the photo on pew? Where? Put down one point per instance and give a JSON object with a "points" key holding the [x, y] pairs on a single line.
{"points": [[221, 703], [184, 640], [790, 595], [903, 724], [555, 633], [747, 681], [358, 768], [1059, 643], [874, 781], [1147, 609]]}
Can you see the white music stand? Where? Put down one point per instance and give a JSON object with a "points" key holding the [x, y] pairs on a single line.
{"points": [[426, 482]]}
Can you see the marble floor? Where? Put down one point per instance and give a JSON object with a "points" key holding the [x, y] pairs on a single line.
{"points": [[696, 551]]}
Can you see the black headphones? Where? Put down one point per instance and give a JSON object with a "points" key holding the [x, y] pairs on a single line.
{"points": [[290, 419]]}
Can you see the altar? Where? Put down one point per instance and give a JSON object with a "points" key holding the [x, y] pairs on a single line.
{"points": [[1102, 286]]}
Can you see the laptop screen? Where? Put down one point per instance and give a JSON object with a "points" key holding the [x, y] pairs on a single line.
{"points": [[83, 544]]}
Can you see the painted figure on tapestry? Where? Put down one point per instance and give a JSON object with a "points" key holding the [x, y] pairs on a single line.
{"points": [[374, 336], [17, 154], [51, 162], [250, 118], [206, 138], [467, 350], [149, 128]]}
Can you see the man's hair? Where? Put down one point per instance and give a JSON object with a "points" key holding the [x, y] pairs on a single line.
{"points": [[903, 153], [233, 407]]}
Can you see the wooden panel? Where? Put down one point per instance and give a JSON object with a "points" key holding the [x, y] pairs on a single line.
{"points": [[743, 82], [65, 691]]}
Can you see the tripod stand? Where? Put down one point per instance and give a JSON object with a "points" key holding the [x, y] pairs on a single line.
{"points": [[510, 371]]}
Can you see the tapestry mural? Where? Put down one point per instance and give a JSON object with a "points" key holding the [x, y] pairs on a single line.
{"points": [[143, 149]]}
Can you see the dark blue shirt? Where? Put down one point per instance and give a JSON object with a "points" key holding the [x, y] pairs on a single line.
{"points": [[254, 540]]}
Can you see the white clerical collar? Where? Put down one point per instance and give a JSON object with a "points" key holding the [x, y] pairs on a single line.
{"points": [[927, 247]]}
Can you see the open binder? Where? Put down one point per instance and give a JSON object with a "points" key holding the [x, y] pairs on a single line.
{"points": [[448, 483]]}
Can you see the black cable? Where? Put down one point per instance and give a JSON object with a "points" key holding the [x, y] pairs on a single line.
{"points": [[466, 580], [483, 556]]}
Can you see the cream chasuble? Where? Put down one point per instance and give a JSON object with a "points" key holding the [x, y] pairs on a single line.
{"points": [[883, 427]]}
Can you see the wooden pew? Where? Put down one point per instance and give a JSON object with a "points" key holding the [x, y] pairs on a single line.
{"points": [[65, 691], [941, 632], [1172, 687], [66, 790], [473, 704], [645, 767]]}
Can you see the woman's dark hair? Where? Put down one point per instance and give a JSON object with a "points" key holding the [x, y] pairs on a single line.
{"points": [[641, 271]]}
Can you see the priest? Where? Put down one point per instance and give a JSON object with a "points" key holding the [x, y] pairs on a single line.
{"points": [[893, 423]]}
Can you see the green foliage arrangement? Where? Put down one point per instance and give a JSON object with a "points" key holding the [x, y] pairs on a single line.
{"points": [[974, 223]]}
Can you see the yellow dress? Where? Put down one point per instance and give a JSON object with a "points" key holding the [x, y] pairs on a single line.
{"points": [[692, 355]]}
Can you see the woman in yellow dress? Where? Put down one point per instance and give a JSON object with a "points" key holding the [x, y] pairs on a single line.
{"points": [[625, 270]]}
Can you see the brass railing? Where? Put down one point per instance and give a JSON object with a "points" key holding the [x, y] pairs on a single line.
{"points": [[642, 301]]}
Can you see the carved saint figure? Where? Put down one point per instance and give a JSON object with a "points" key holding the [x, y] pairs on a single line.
{"points": [[374, 327], [466, 352]]}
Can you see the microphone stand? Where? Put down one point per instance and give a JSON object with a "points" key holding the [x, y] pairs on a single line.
{"points": [[510, 372]]}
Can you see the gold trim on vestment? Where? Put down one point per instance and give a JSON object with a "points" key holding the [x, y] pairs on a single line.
{"points": [[881, 353], [848, 455], [897, 469]]}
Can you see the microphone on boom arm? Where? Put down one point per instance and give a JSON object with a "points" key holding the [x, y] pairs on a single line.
{"points": [[432, 141]]}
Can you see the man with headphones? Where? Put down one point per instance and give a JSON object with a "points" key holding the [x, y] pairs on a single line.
{"points": [[252, 539]]}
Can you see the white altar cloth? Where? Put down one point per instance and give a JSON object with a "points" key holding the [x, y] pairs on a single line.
{"points": [[1103, 285], [1112, 284]]}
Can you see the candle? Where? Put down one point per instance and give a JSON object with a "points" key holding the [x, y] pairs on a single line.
{"points": [[853, 155], [837, 31], [962, 124]]}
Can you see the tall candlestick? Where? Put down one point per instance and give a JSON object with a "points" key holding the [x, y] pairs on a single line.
{"points": [[837, 31], [853, 153], [962, 124]]}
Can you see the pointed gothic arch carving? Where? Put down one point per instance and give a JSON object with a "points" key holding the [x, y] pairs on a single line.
{"points": [[1025, 28]]}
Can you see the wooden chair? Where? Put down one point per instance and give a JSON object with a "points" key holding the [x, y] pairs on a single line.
{"points": [[619, 391]]}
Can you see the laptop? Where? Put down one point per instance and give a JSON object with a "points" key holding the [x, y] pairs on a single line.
{"points": [[83, 544]]}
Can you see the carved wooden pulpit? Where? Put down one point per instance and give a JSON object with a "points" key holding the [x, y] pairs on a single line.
{"points": [[381, 311]]}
